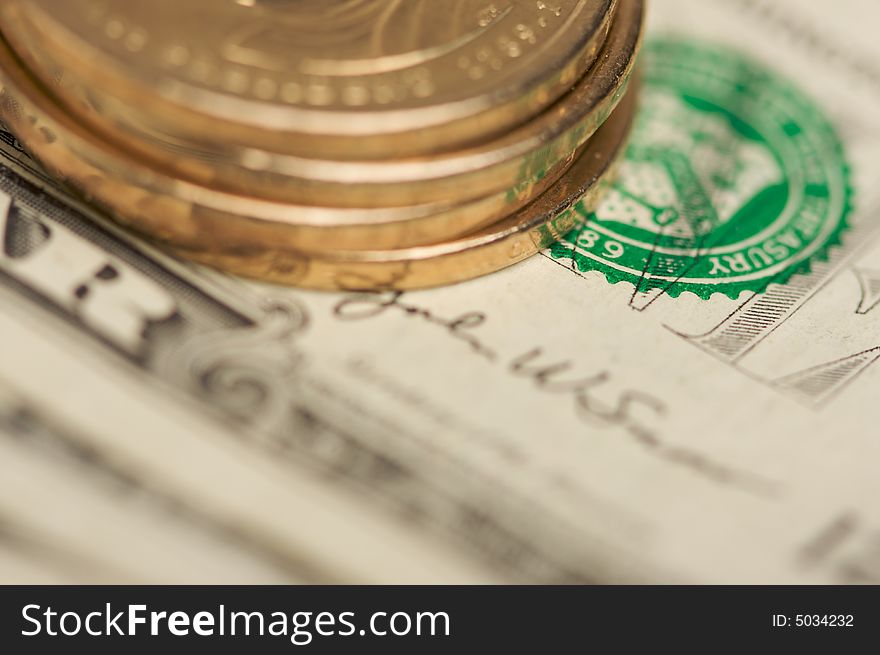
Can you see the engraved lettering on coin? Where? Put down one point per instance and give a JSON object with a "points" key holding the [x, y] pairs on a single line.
{"points": [[357, 37]]}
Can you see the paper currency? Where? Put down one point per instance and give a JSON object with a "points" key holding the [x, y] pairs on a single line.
{"points": [[538, 425]]}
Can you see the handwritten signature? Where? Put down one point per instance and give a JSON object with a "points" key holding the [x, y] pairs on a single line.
{"points": [[557, 378]]}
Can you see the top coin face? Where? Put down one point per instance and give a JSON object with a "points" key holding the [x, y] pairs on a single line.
{"points": [[436, 74]]}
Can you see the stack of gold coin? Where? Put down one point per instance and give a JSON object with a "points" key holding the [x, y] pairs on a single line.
{"points": [[333, 144]]}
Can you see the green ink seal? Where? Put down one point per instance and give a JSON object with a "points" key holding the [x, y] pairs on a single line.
{"points": [[733, 179]]}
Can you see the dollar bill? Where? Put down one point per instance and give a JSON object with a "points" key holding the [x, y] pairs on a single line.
{"points": [[600, 413]]}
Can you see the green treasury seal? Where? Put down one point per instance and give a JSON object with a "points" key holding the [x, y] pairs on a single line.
{"points": [[733, 179]]}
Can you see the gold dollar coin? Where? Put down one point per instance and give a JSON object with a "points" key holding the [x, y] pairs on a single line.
{"points": [[326, 78], [561, 209], [518, 158], [156, 205], [182, 211]]}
